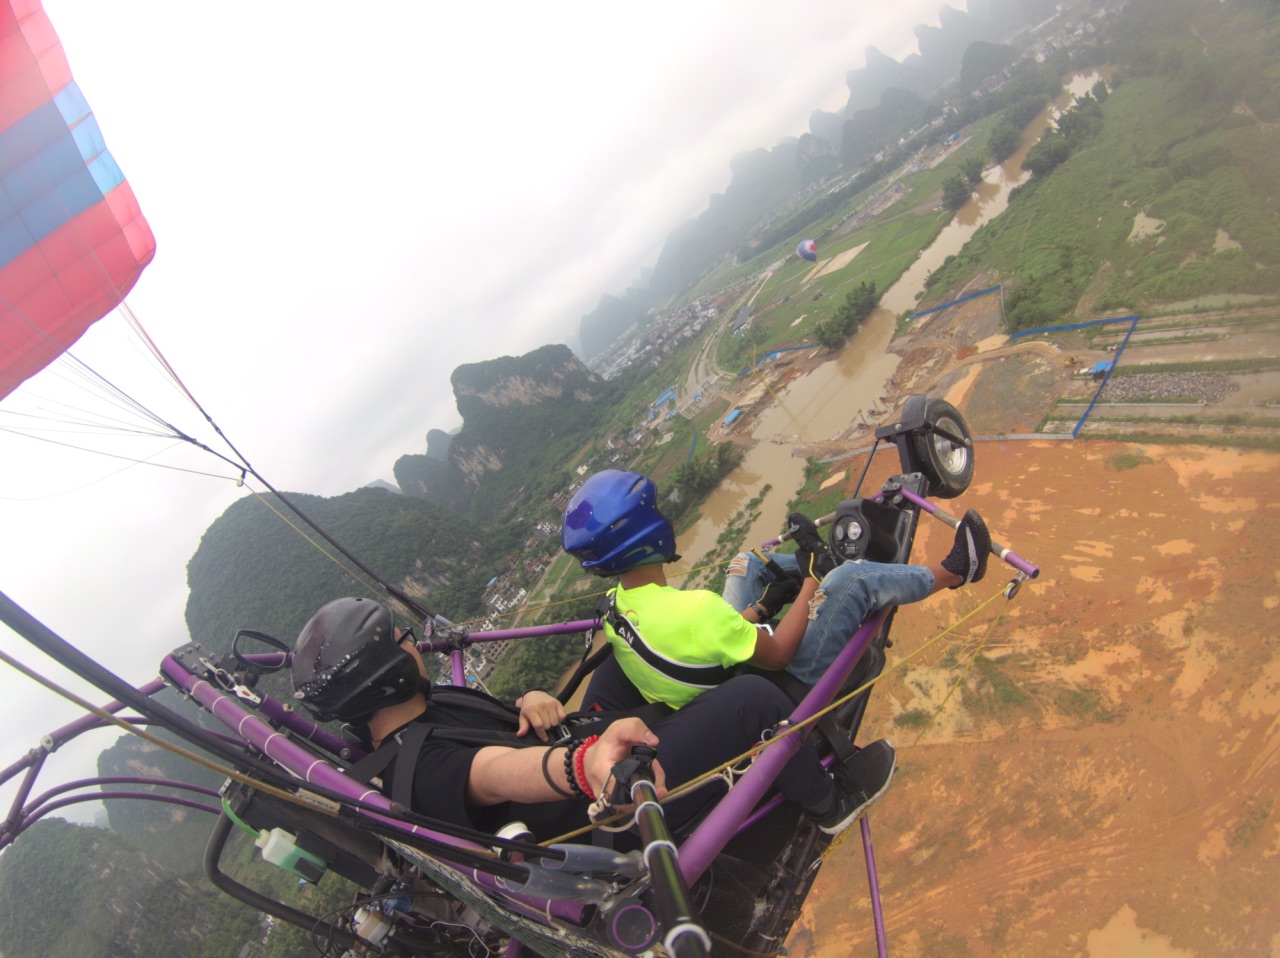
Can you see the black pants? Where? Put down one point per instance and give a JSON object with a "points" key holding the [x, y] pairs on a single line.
{"points": [[716, 726]]}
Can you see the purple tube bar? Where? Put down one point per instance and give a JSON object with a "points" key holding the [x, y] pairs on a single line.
{"points": [[69, 731], [710, 837], [11, 827], [312, 770], [873, 881], [502, 635], [306, 729], [120, 780], [1004, 552], [33, 761], [44, 810]]}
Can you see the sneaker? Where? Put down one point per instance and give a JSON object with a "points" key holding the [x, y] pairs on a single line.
{"points": [[968, 555], [859, 782]]}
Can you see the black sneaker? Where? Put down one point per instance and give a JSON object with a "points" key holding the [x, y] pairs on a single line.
{"points": [[859, 782], [968, 555]]}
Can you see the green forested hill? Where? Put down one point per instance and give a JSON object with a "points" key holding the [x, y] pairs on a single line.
{"points": [[1187, 137], [72, 890], [253, 570], [174, 837], [599, 328], [525, 420]]}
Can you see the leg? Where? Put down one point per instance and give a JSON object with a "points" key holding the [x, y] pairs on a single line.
{"points": [[746, 577], [722, 723], [848, 594]]}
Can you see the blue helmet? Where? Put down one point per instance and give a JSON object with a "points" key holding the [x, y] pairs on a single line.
{"points": [[612, 524]]}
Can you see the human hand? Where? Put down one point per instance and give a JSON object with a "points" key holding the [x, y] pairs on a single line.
{"points": [[540, 712], [614, 746], [812, 550], [781, 590]]}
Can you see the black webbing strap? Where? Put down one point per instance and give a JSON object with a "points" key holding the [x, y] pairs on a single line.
{"points": [[589, 663], [404, 749], [839, 738], [374, 764], [697, 676], [411, 740]]}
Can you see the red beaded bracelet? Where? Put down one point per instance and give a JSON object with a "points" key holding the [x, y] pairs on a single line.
{"points": [[580, 766]]}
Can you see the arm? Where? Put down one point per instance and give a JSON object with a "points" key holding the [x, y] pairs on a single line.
{"points": [[776, 651], [500, 774]]}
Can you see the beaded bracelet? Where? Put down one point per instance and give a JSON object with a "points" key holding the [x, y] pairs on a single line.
{"points": [[580, 767], [569, 775], [546, 758]]}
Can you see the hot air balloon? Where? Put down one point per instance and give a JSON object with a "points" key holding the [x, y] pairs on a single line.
{"points": [[73, 240], [808, 249]]}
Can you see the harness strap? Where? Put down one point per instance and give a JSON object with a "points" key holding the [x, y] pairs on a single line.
{"points": [[839, 738], [411, 740], [374, 764], [697, 676], [589, 663]]}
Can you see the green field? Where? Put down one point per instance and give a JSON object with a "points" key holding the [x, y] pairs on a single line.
{"points": [[1189, 139]]}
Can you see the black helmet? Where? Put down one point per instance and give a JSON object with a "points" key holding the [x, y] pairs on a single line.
{"points": [[347, 663]]}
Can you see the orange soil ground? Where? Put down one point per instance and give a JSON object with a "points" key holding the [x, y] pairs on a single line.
{"points": [[1104, 784]]}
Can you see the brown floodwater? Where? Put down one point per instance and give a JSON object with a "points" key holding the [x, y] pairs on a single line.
{"points": [[827, 401]]}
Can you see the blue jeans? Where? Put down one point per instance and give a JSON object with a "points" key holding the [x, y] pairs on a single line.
{"points": [[846, 596]]}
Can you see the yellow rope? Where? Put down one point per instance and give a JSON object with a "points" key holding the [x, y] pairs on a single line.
{"points": [[321, 549], [674, 793], [743, 950]]}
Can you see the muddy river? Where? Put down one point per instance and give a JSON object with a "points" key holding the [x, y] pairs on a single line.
{"points": [[827, 401]]}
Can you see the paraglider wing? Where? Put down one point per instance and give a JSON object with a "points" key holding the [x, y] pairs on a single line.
{"points": [[72, 238], [808, 249]]}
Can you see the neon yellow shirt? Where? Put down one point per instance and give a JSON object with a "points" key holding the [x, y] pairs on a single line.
{"points": [[693, 628]]}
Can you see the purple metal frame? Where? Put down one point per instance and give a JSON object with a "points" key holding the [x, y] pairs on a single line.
{"points": [[694, 861], [311, 769], [1004, 552], [738, 810], [735, 812]]}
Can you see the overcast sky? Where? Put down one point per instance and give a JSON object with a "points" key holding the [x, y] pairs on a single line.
{"points": [[348, 202]]}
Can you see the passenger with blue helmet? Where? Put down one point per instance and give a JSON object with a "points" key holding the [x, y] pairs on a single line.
{"points": [[671, 645], [679, 643]]}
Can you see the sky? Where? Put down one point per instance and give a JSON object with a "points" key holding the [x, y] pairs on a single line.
{"points": [[349, 202]]}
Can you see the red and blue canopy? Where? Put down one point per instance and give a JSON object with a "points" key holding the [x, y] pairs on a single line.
{"points": [[72, 238]]}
